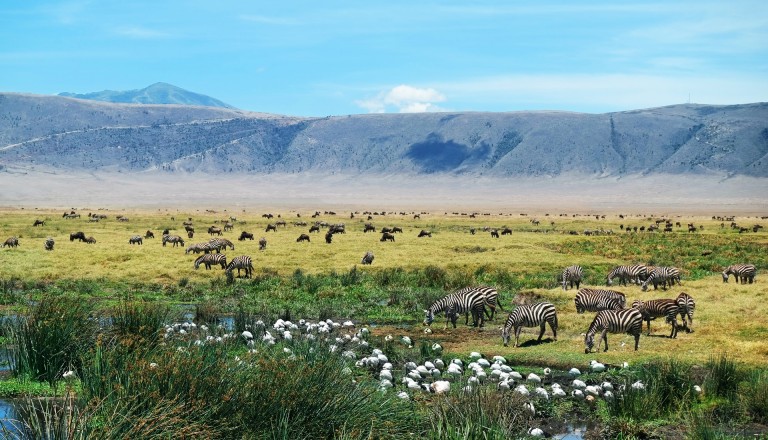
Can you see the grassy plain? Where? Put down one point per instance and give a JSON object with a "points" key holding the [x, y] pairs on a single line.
{"points": [[315, 280]]}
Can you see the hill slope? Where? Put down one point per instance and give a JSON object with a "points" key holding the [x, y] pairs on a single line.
{"points": [[48, 132], [158, 93]]}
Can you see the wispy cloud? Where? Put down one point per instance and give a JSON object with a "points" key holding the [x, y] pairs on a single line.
{"points": [[263, 19], [141, 33], [404, 99]]}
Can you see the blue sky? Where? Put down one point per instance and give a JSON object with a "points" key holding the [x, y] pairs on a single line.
{"points": [[318, 58]]}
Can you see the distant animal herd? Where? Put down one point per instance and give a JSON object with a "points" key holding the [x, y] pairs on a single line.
{"points": [[480, 302]]}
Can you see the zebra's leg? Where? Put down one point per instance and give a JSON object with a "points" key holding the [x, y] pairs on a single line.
{"points": [[541, 333], [649, 326], [603, 337], [517, 335], [637, 340], [553, 326], [673, 335]]}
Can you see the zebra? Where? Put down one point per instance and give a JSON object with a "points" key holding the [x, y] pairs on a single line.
{"points": [[655, 308], [596, 300], [627, 273], [615, 321], [491, 299], [210, 259], [199, 247], [662, 275], [11, 242], [174, 239], [741, 272], [136, 239], [367, 258], [221, 244], [686, 306], [241, 262], [530, 316], [456, 303], [572, 275], [49, 244]]}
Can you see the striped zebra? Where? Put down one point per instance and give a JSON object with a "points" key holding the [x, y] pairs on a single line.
{"points": [[741, 272], [136, 239], [210, 259], [596, 300], [614, 321], [199, 247], [572, 275], [663, 275], [686, 306], [655, 308], [221, 244], [530, 316], [456, 303], [174, 239], [490, 298], [241, 262], [632, 273]]}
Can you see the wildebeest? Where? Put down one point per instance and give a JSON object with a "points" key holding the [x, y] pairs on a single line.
{"points": [[495, 233], [262, 243], [149, 234], [77, 236], [214, 230], [271, 227], [90, 240], [367, 258], [166, 232], [39, 222], [329, 237], [397, 229], [506, 231], [189, 228], [386, 230], [49, 244], [302, 237], [245, 236], [136, 239], [190, 234], [369, 228], [314, 228], [228, 226], [387, 237], [11, 242], [424, 233]]}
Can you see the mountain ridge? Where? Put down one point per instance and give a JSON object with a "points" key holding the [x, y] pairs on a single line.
{"points": [[65, 134], [157, 93]]}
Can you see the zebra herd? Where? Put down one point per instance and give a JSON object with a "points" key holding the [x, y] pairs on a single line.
{"points": [[609, 306]]}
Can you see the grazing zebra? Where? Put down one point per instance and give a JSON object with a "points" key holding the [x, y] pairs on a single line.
{"points": [[627, 273], [199, 247], [367, 258], [210, 259], [221, 244], [491, 299], [456, 303], [615, 321], [662, 275], [174, 239], [686, 306], [241, 262], [49, 244], [90, 240], [572, 275], [595, 300], [530, 316], [245, 236], [741, 272], [262, 243], [655, 308], [11, 242], [136, 239]]}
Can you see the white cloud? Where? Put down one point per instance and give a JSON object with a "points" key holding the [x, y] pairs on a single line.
{"points": [[404, 99]]}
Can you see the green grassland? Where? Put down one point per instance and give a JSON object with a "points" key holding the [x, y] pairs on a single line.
{"points": [[317, 279]]}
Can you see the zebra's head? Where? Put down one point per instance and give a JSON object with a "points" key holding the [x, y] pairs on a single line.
{"points": [[644, 285], [589, 342], [505, 334], [429, 316], [609, 280], [726, 274]]}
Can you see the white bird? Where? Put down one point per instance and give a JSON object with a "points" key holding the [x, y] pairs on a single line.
{"points": [[574, 372], [541, 392], [608, 395], [475, 355], [483, 363], [413, 374], [481, 376], [348, 324], [597, 367], [412, 384], [457, 362], [422, 370], [407, 341], [454, 370], [638, 385], [287, 350], [385, 374], [439, 363], [403, 395], [440, 386], [427, 331], [504, 385], [410, 366], [522, 390], [287, 335], [385, 384], [69, 375], [547, 372], [515, 375], [349, 354], [473, 380], [495, 375], [536, 432], [529, 406], [500, 359], [577, 394], [386, 366], [607, 386], [533, 378], [558, 392], [436, 374], [247, 335], [697, 389], [592, 390], [429, 365], [389, 338], [578, 384], [437, 347]]}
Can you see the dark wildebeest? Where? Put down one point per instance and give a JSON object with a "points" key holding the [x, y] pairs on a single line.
{"points": [[191, 234], [386, 230], [494, 233], [39, 223], [166, 232], [77, 236], [329, 237], [90, 240], [424, 233], [245, 236], [472, 231], [49, 244], [228, 226], [397, 229], [302, 237], [214, 230], [11, 242], [271, 227], [506, 231], [189, 228], [314, 228], [369, 228], [149, 234], [367, 258], [387, 236], [262, 243]]}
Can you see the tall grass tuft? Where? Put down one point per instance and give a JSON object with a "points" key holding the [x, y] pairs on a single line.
{"points": [[481, 414], [753, 396], [723, 377], [142, 319], [52, 338]]}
